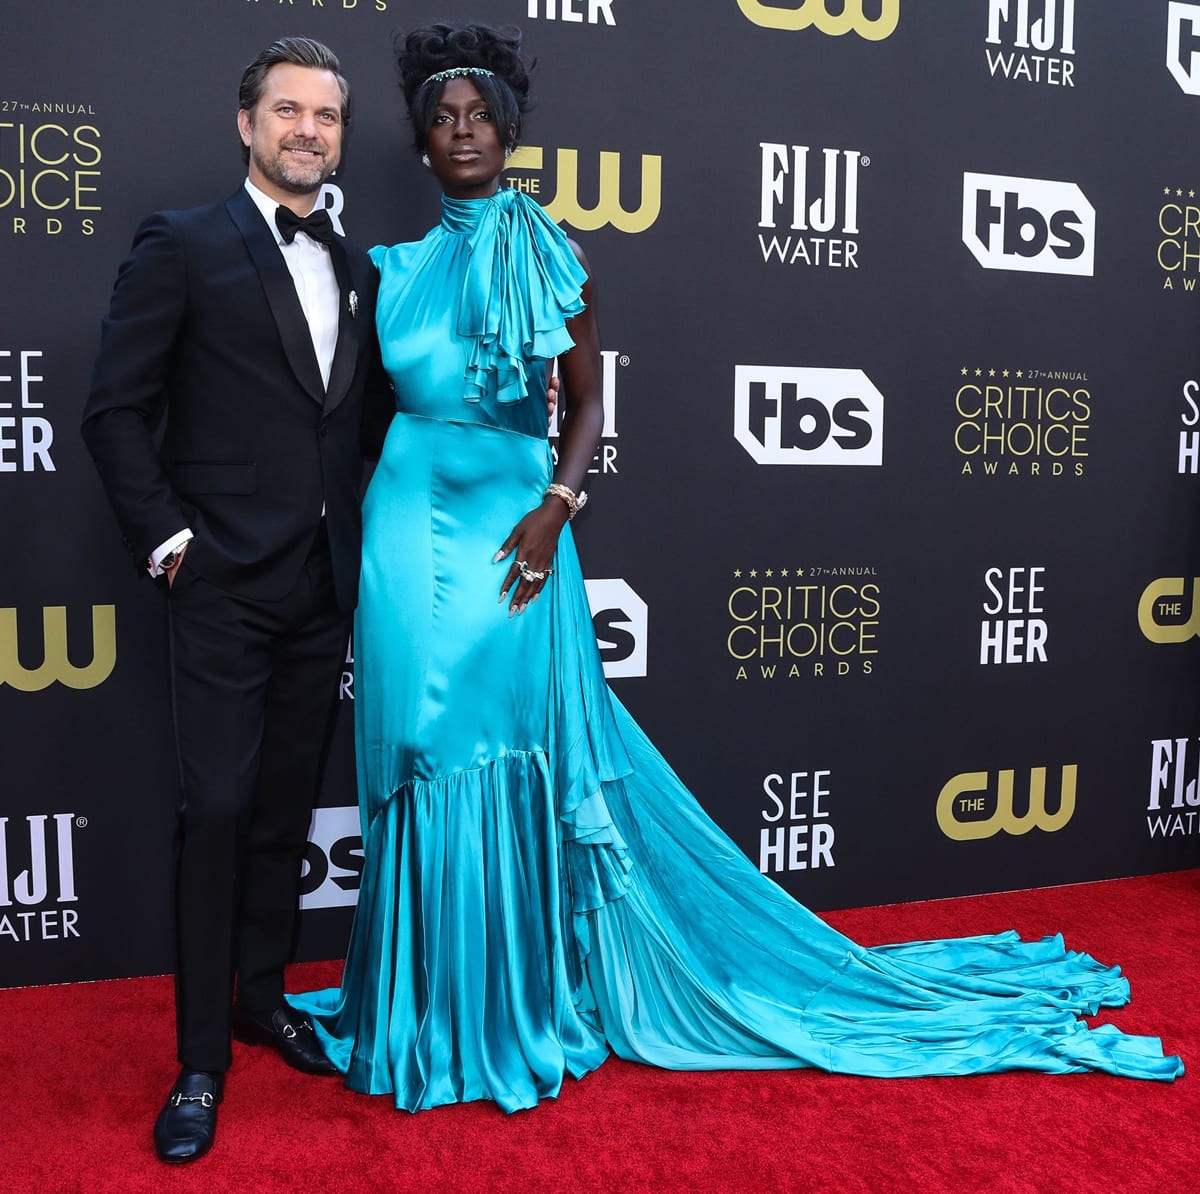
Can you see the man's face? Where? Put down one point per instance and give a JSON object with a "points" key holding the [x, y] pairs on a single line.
{"points": [[294, 132]]}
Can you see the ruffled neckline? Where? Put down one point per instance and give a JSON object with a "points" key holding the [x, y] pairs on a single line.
{"points": [[521, 285], [460, 217]]}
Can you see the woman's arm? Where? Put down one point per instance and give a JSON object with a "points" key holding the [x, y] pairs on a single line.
{"points": [[535, 537]]}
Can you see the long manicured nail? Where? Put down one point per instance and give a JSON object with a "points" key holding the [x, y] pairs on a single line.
{"points": [[498, 556]]}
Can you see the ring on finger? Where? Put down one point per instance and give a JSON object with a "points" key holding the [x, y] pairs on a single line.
{"points": [[531, 574]]}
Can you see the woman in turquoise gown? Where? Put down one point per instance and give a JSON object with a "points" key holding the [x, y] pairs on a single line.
{"points": [[539, 887]]}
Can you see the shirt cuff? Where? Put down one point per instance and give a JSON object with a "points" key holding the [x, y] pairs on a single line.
{"points": [[154, 563]]}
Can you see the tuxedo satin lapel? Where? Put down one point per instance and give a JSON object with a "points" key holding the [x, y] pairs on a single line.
{"points": [[345, 355], [280, 291]]}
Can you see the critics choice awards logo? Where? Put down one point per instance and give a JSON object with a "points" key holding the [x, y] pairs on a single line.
{"points": [[345, 6], [1178, 253], [37, 877], [1019, 422], [808, 199], [602, 176], [794, 623], [50, 168], [593, 12], [1174, 800], [978, 804], [1031, 225], [1032, 41], [799, 415], [26, 433], [833, 17], [797, 832], [1010, 632]]}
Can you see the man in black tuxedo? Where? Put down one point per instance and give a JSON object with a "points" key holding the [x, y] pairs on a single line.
{"points": [[250, 325]]}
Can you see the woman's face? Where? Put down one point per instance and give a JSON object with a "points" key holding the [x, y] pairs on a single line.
{"points": [[465, 147]]}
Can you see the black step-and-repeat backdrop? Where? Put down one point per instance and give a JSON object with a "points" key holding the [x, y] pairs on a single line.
{"points": [[893, 535]]}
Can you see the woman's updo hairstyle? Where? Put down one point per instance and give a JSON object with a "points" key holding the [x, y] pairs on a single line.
{"points": [[434, 48]]}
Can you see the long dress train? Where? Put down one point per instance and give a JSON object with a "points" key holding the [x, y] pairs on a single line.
{"points": [[539, 886]]}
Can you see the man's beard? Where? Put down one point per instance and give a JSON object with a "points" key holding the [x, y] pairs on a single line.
{"points": [[293, 177]]}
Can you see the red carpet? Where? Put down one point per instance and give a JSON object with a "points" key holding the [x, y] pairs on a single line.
{"points": [[85, 1068]]}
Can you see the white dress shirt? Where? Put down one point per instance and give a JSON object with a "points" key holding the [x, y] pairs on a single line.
{"points": [[311, 266]]}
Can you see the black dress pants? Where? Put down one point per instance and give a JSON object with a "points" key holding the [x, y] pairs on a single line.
{"points": [[254, 688]]}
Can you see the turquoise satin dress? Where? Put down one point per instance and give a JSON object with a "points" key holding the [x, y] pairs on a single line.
{"points": [[539, 887]]}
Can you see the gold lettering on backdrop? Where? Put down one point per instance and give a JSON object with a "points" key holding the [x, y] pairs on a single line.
{"points": [[970, 789], [1164, 594], [565, 206], [851, 18], [56, 663]]}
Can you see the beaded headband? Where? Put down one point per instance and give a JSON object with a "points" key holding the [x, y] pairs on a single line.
{"points": [[457, 72]]}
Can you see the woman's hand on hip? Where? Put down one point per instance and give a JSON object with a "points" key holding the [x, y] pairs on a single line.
{"points": [[532, 544]]}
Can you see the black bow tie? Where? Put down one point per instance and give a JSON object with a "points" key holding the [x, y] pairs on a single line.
{"points": [[317, 224]]}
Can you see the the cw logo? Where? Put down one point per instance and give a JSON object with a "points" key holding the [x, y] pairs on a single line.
{"points": [[1161, 597], [851, 19], [565, 206], [56, 662], [967, 794]]}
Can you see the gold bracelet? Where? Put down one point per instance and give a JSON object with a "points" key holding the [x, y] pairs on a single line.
{"points": [[575, 502]]}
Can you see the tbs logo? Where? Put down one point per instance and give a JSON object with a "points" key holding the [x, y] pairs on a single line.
{"points": [[785, 415], [331, 871], [620, 619], [1028, 224]]}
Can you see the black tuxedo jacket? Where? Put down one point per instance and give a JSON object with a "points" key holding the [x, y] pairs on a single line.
{"points": [[205, 329]]}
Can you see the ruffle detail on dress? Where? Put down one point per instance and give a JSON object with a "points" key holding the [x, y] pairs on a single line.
{"points": [[461, 908], [586, 750], [522, 284], [707, 964]]}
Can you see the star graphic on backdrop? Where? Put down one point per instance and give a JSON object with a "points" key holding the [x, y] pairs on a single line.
{"points": [[978, 372], [1005, 373], [799, 571], [991, 373], [753, 571], [736, 573], [1179, 191], [1020, 372], [1166, 190], [964, 371], [769, 572], [783, 572]]}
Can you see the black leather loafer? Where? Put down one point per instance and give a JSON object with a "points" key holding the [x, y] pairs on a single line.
{"points": [[289, 1034], [187, 1125]]}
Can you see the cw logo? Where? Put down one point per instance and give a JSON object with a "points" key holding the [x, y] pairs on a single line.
{"points": [[565, 206], [967, 793], [56, 661], [1161, 597], [851, 19]]}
